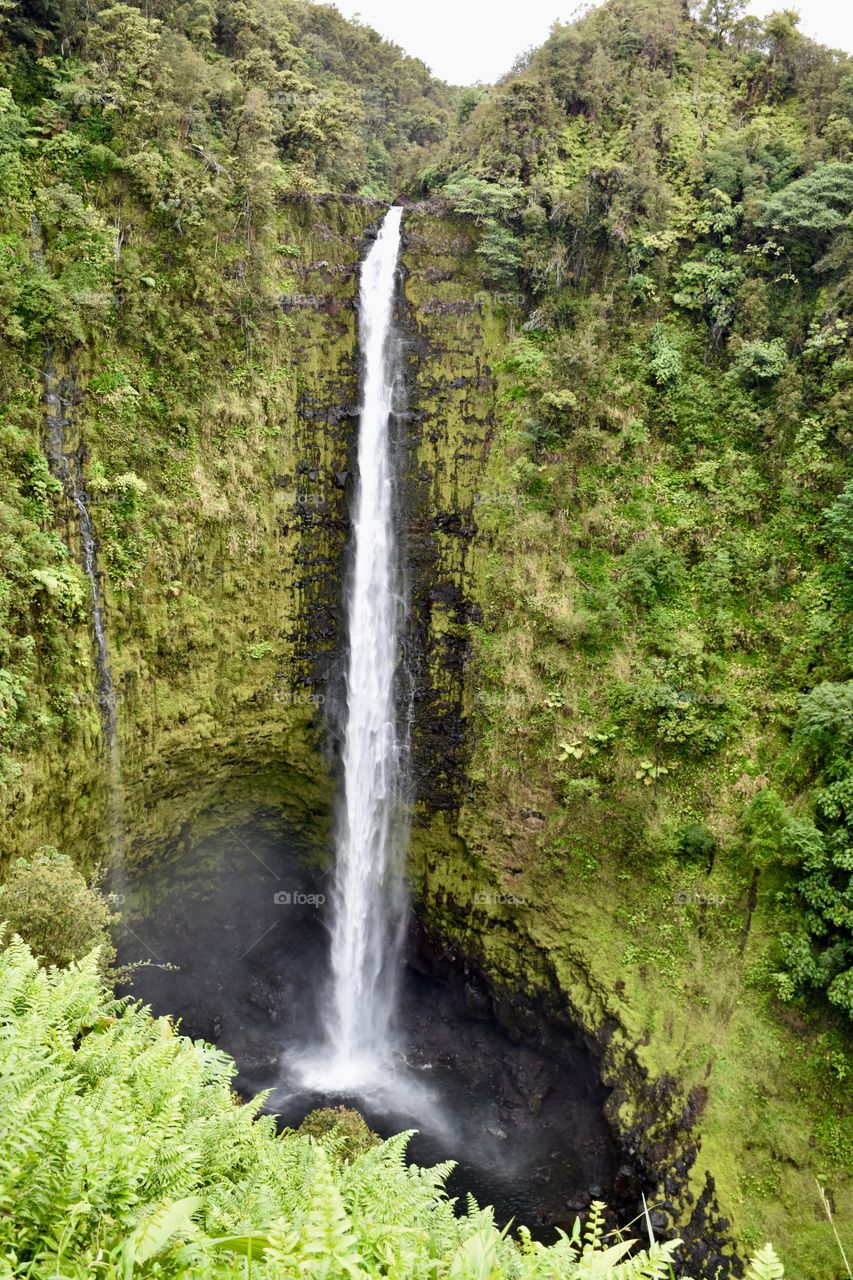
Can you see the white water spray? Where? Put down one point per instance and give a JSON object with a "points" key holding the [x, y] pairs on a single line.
{"points": [[368, 895]]}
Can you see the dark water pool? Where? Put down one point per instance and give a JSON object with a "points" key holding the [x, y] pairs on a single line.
{"points": [[234, 936]]}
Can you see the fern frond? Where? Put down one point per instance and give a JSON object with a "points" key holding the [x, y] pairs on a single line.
{"points": [[594, 1228], [157, 1231], [765, 1265]]}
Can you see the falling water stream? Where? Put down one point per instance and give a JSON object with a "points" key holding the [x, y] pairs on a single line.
{"points": [[67, 468], [368, 898]]}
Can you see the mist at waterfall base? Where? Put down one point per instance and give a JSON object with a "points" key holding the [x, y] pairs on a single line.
{"points": [[238, 914]]}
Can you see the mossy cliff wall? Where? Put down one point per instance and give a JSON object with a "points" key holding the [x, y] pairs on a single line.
{"points": [[452, 341], [559, 898], [463, 879], [218, 643], [562, 901], [224, 634]]}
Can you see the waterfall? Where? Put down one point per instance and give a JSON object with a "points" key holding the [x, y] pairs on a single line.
{"points": [[67, 468], [368, 897]]}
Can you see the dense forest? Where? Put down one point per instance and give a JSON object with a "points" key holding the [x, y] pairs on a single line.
{"points": [[655, 739]]}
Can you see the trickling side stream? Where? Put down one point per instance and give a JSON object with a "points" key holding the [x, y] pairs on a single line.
{"points": [[68, 469]]}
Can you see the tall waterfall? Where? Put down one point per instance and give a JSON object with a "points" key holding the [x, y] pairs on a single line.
{"points": [[368, 910]]}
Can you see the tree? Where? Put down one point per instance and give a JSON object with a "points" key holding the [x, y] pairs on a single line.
{"points": [[123, 47], [809, 212], [484, 200], [784, 40], [468, 103], [721, 16], [500, 251]]}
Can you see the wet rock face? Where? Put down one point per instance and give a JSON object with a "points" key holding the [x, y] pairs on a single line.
{"points": [[547, 1049], [658, 1150], [450, 419]]}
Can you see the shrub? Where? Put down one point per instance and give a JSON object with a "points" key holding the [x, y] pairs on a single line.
{"points": [[651, 573], [819, 955], [838, 522], [757, 361], [62, 587], [665, 364], [344, 1125], [763, 822], [824, 729], [47, 901], [696, 843]]}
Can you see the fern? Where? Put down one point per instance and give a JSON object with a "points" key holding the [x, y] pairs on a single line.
{"points": [[123, 1152], [157, 1231], [765, 1265], [476, 1259], [594, 1229]]}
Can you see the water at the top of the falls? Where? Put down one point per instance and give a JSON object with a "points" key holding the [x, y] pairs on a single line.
{"points": [[368, 896]]}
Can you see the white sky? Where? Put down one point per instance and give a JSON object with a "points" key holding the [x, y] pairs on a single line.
{"points": [[464, 41]]}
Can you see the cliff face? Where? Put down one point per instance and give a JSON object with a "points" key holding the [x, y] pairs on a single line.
{"points": [[219, 644], [222, 584], [452, 343], [225, 649], [547, 868]]}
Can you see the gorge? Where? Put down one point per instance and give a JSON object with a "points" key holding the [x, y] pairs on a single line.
{"points": [[492, 536], [324, 1031]]}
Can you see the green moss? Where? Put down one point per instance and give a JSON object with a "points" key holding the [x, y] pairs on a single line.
{"points": [[615, 700], [203, 556]]}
